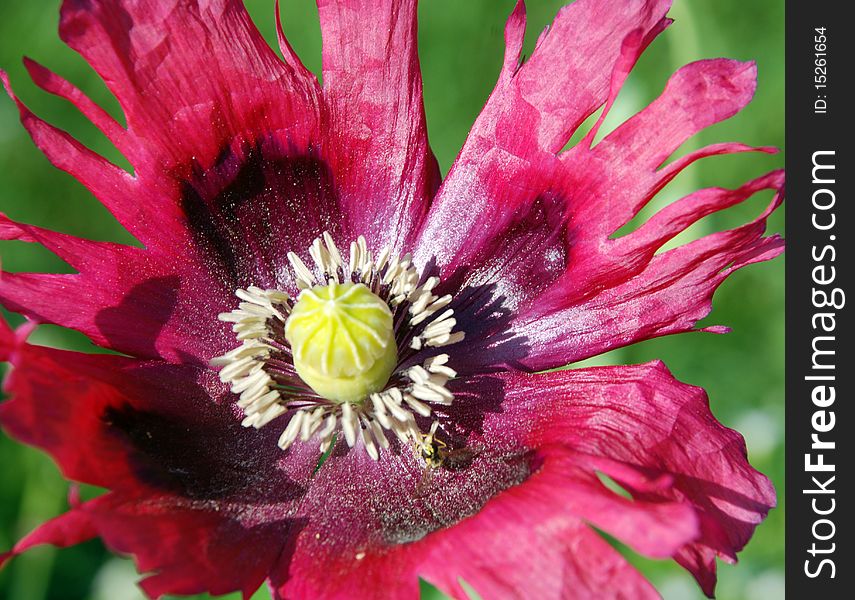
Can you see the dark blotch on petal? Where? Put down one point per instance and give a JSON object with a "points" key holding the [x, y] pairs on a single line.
{"points": [[483, 315], [254, 205], [198, 460], [506, 273]]}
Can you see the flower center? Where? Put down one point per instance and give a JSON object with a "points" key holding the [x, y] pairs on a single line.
{"points": [[356, 351], [342, 340]]}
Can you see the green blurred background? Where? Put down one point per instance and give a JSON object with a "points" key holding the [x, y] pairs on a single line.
{"points": [[461, 48]]}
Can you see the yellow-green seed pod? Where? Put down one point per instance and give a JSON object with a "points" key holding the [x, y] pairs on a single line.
{"points": [[343, 342]]}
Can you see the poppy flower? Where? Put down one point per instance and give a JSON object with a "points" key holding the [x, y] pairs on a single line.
{"points": [[337, 369]]}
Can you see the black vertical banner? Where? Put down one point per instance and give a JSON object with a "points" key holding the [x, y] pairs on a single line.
{"points": [[820, 423]]}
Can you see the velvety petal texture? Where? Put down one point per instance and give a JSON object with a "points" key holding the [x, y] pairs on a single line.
{"points": [[240, 156]]}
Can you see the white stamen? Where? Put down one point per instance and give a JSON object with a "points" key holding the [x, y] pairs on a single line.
{"points": [[436, 365], [442, 323], [368, 442], [292, 430], [377, 432], [419, 304], [447, 339], [382, 258], [325, 444], [420, 407], [258, 402], [422, 392], [328, 430], [320, 255], [380, 411], [251, 383], [332, 249], [394, 407], [418, 374], [305, 279], [393, 271], [426, 306], [348, 423], [431, 283], [355, 259], [237, 369], [366, 268]]}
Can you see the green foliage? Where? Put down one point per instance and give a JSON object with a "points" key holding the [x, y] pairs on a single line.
{"points": [[461, 47]]}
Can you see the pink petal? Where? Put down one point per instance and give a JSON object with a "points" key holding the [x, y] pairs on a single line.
{"points": [[54, 84], [185, 548], [146, 423], [670, 295], [188, 548], [527, 233], [377, 526], [615, 178], [115, 188], [654, 436], [378, 140], [370, 523], [505, 163], [69, 529], [532, 478], [201, 502], [517, 548], [157, 59], [612, 181], [172, 303], [226, 155], [655, 529]]}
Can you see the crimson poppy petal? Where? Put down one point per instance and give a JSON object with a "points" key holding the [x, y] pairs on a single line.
{"points": [[657, 438], [202, 502], [671, 294], [223, 153], [189, 548], [390, 525], [373, 92], [183, 547], [630, 292], [530, 115], [698, 95], [535, 467], [238, 157], [115, 283], [68, 529], [558, 557], [188, 76], [541, 243], [154, 425]]}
